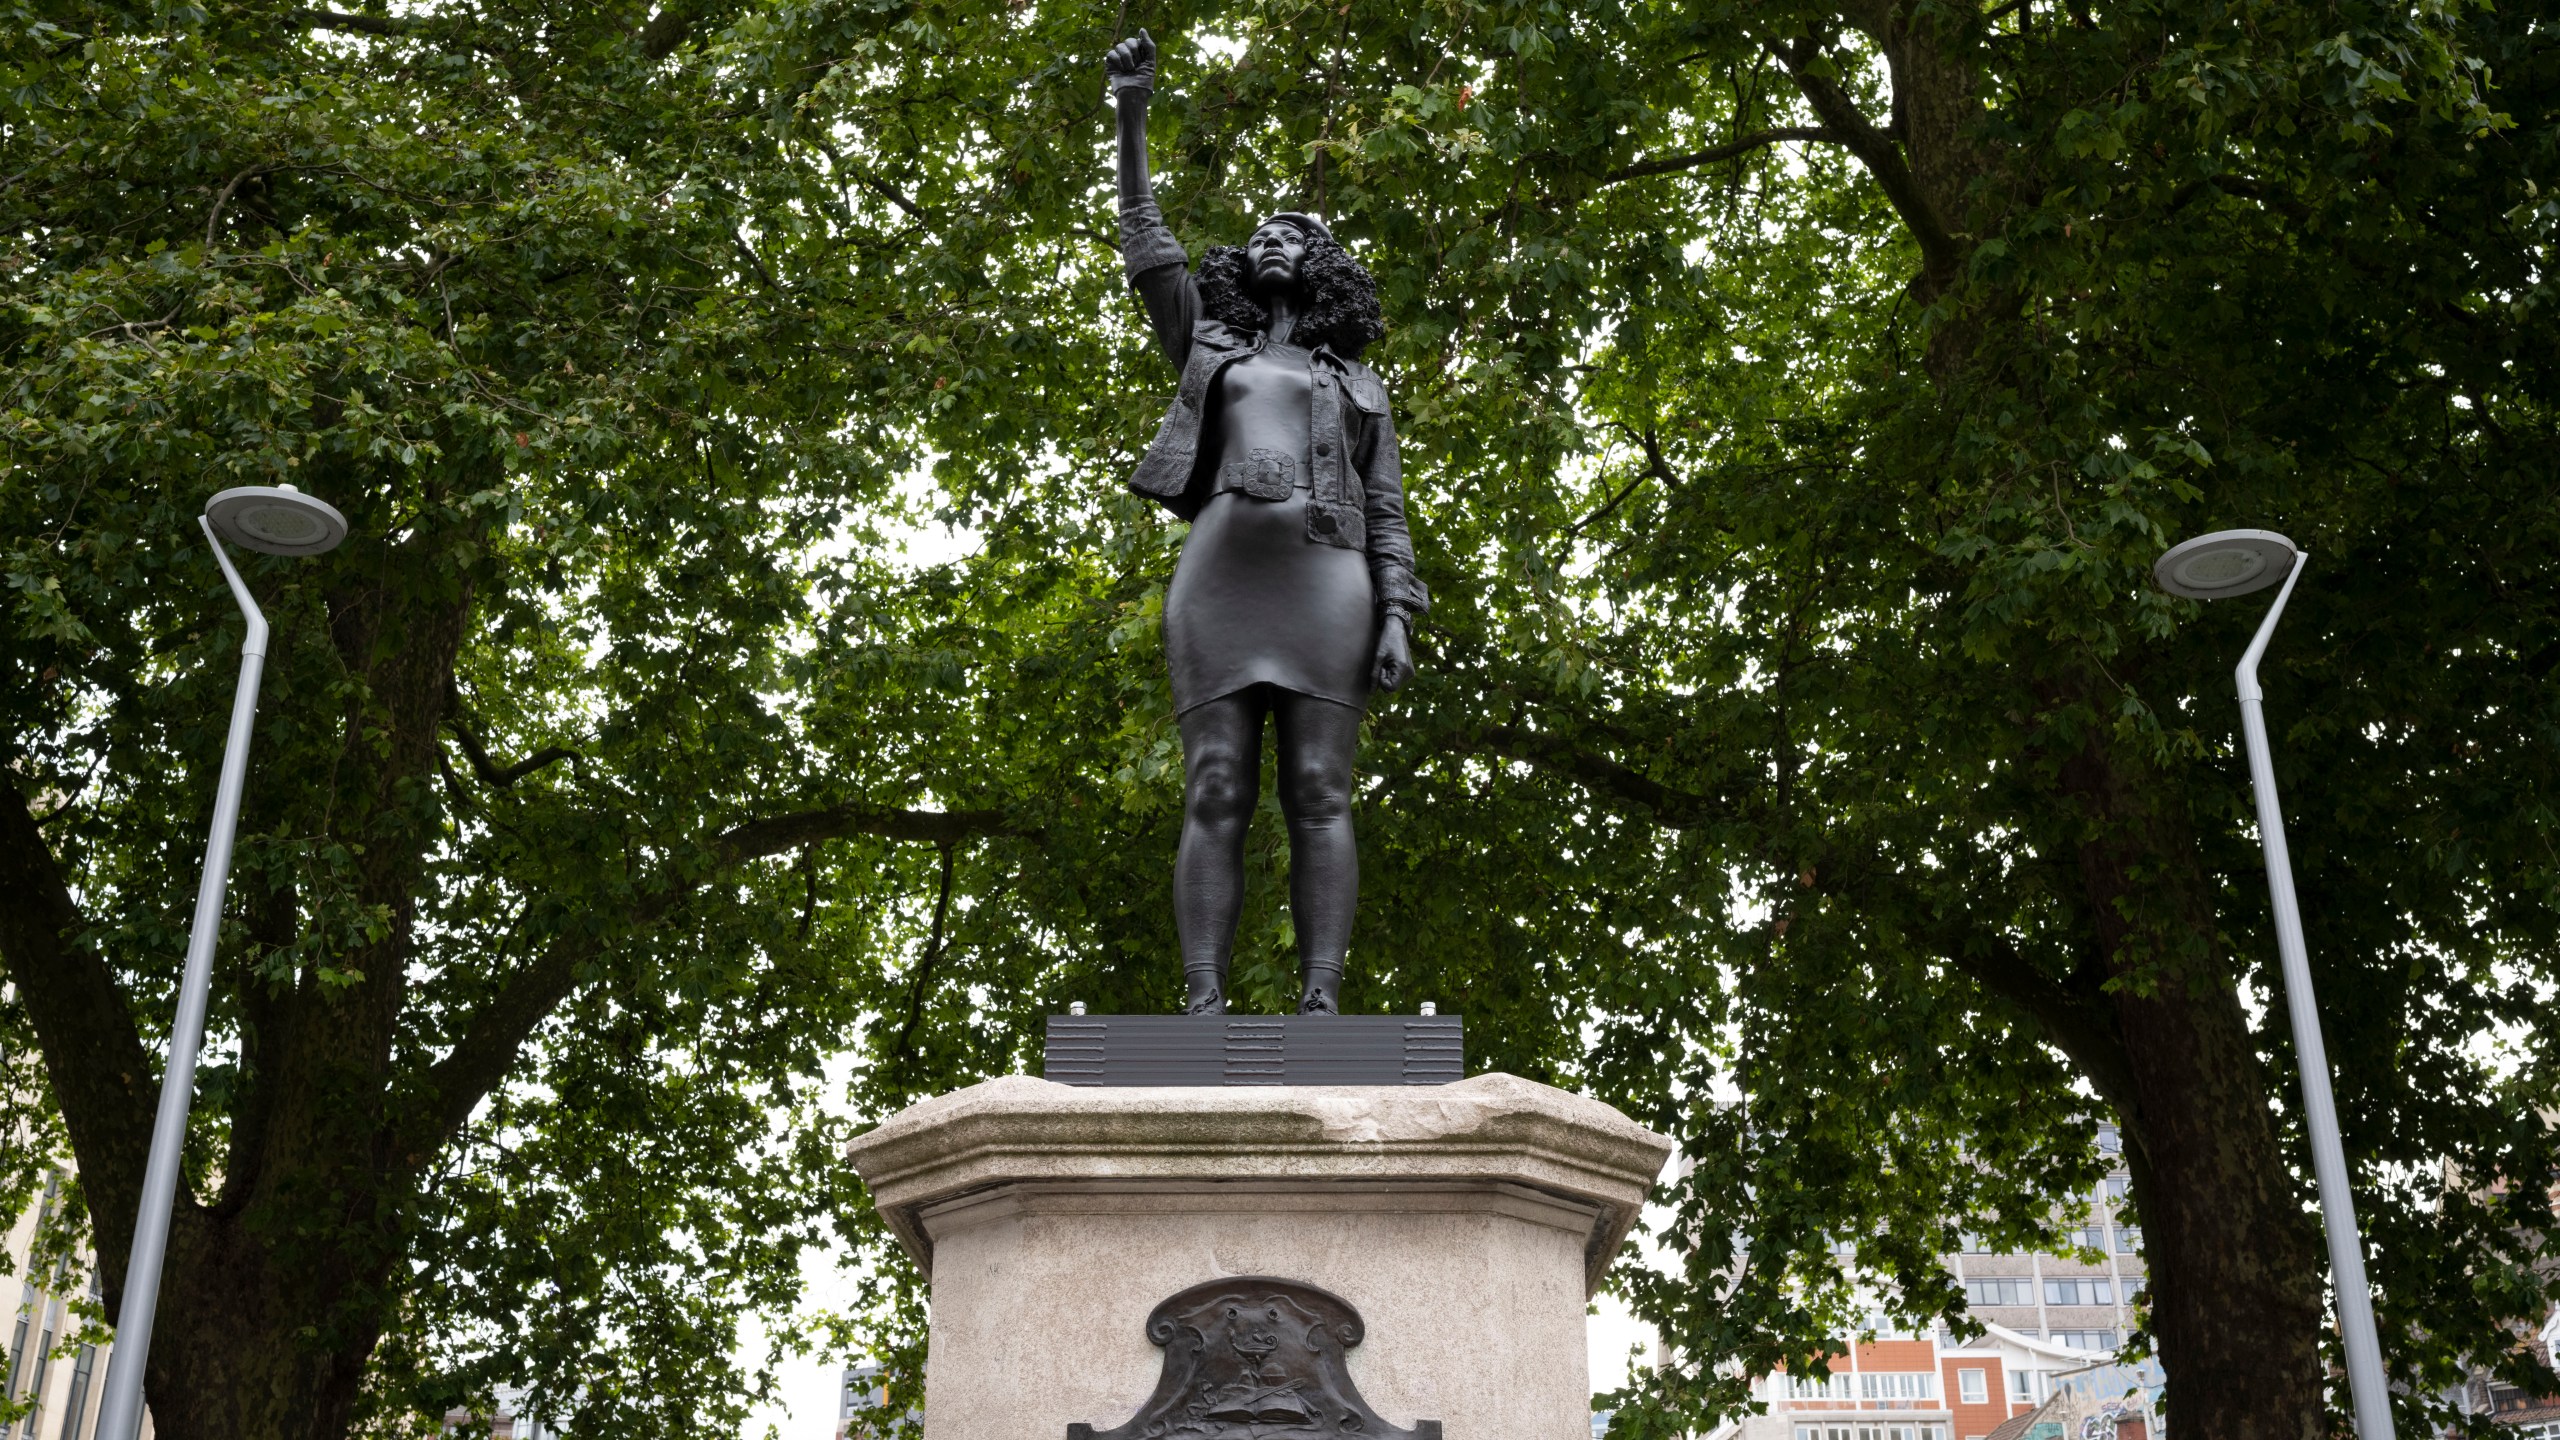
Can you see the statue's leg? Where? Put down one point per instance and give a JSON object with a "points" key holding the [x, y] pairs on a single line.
{"points": [[1317, 742], [1221, 776]]}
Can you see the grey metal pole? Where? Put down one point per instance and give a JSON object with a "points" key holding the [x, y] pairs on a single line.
{"points": [[2320, 1113], [120, 1412]]}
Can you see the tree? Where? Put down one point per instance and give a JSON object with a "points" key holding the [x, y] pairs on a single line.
{"points": [[1799, 397], [1794, 400], [599, 348], [1862, 630]]}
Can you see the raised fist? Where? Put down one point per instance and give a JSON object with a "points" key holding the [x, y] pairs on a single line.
{"points": [[1131, 64]]}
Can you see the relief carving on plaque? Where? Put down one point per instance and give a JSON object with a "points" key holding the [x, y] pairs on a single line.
{"points": [[1254, 1358]]}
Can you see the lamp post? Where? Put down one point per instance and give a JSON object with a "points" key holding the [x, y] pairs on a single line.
{"points": [[2214, 567], [275, 520]]}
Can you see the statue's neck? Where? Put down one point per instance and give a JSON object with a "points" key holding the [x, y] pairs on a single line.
{"points": [[1284, 319]]}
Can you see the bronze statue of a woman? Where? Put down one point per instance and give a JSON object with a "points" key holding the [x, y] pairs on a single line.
{"points": [[1296, 586]]}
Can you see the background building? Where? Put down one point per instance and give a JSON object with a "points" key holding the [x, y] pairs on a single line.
{"points": [[1927, 1388], [2535, 1417], [61, 1382], [507, 1422], [2065, 1299], [2052, 1326], [863, 1395]]}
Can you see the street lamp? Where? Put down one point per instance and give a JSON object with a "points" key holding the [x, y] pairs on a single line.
{"points": [[275, 520], [2215, 567]]}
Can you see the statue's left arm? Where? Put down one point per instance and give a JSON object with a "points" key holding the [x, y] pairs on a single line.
{"points": [[1401, 597]]}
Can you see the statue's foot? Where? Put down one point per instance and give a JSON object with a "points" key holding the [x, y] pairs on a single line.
{"points": [[1208, 995], [1323, 995]]}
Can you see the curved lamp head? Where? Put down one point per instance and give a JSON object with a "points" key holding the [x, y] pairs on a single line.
{"points": [[277, 520], [2225, 563]]}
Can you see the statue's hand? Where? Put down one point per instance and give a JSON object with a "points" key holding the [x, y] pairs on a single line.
{"points": [[1131, 64], [1395, 654]]}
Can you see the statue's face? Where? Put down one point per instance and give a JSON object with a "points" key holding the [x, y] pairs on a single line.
{"points": [[1276, 252]]}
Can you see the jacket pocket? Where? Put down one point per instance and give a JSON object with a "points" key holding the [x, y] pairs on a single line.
{"points": [[1366, 393]]}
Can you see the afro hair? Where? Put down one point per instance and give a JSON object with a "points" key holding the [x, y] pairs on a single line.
{"points": [[1342, 298]]}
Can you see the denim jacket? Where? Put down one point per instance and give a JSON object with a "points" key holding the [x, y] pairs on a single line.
{"points": [[1356, 500]]}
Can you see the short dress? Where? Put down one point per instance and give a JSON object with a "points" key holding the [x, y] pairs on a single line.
{"points": [[1255, 602]]}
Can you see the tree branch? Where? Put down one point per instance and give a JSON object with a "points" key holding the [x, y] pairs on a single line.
{"points": [[2080, 1026], [740, 237], [924, 967], [2073, 1015], [497, 1032], [775, 834], [390, 26], [1728, 150], [102, 1078], [1941, 257], [213, 220], [494, 775], [1655, 468], [393, 27], [1678, 809], [667, 29], [878, 186]]}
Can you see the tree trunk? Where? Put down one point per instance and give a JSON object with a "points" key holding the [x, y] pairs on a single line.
{"points": [[2234, 1262], [2235, 1277], [274, 1295], [235, 1356]]}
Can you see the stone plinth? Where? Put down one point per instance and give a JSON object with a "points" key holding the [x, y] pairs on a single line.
{"points": [[1467, 1224]]}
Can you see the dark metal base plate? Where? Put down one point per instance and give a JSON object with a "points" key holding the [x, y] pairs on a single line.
{"points": [[1255, 1050], [1251, 1357]]}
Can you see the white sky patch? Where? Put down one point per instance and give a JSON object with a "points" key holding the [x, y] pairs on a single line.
{"points": [[806, 1396], [1226, 49]]}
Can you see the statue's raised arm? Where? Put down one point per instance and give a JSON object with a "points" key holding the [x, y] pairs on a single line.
{"points": [[1131, 68], [1295, 591]]}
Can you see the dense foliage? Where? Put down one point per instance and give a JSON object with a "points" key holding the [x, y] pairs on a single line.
{"points": [[746, 654]]}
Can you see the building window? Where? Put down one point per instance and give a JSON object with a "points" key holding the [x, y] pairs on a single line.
{"points": [[2086, 1339], [1999, 1292], [1973, 1386], [1898, 1385], [1828, 1387], [2119, 1186], [2129, 1239], [2023, 1385], [2079, 1292], [862, 1390], [76, 1404]]}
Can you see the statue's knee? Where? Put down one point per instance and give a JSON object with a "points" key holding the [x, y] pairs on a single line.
{"points": [[1317, 793], [1217, 791]]}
